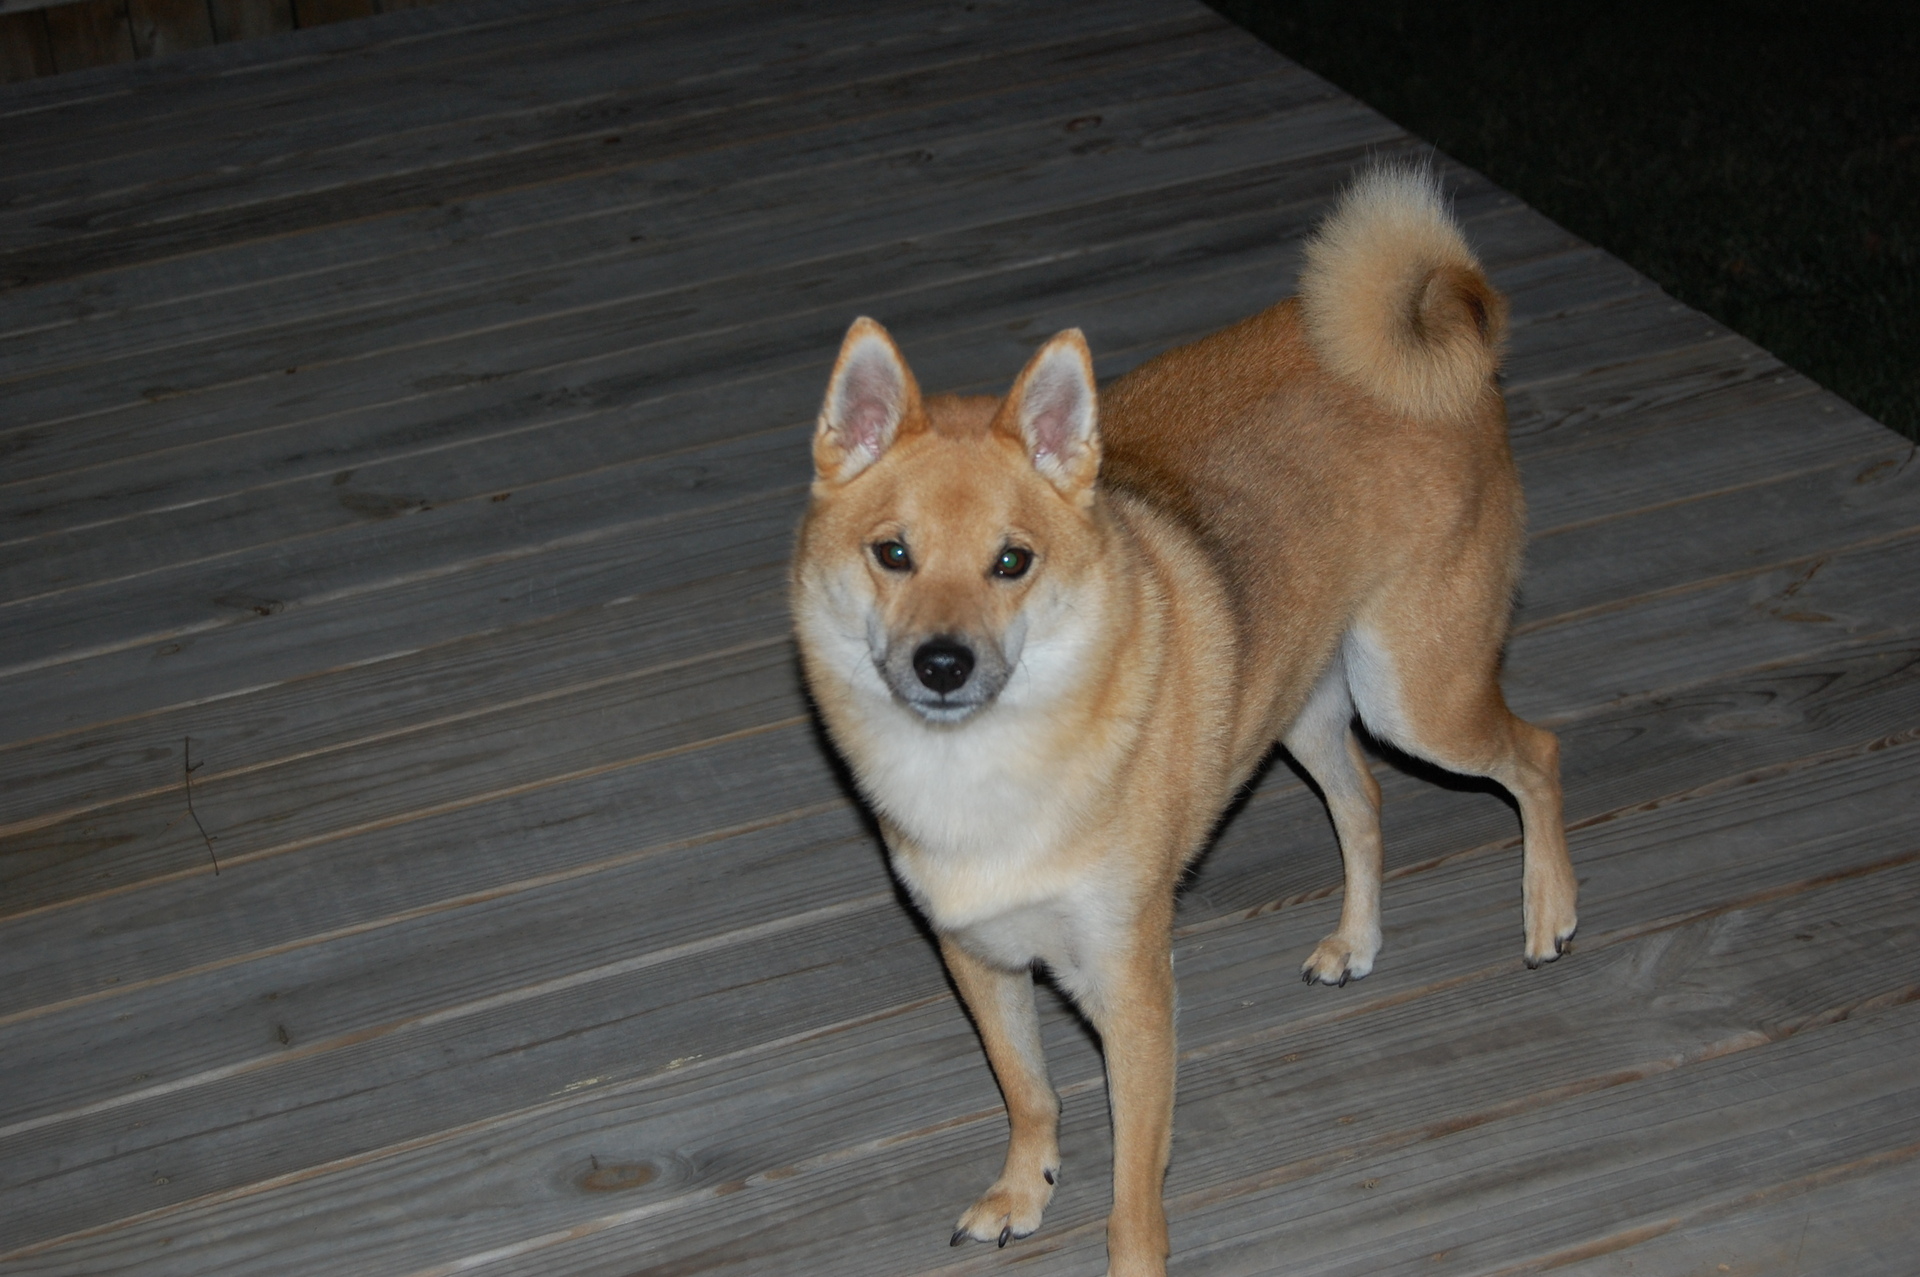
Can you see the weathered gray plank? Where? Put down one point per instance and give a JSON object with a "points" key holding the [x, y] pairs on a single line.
{"points": [[123, 759], [549, 149], [571, 224], [171, 948], [155, 840], [390, 779], [1735, 531], [350, 356], [64, 161], [1823, 1223], [508, 882], [1297, 1128], [223, 592], [45, 779], [107, 449], [93, 102], [1740, 621], [31, 853], [1747, 865], [332, 633]]}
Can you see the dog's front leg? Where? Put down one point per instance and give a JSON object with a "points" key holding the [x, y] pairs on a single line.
{"points": [[1003, 1011], [1132, 1007]]}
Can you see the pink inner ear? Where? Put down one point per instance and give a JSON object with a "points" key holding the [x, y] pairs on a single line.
{"points": [[870, 394], [866, 425], [1058, 413]]}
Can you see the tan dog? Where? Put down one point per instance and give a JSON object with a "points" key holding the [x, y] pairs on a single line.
{"points": [[1053, 642]]}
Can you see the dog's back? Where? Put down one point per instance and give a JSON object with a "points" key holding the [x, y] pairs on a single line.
{"points": [[1336, 443]]}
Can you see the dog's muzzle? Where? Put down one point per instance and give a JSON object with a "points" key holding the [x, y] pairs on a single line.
{"points": [[944, 678]]}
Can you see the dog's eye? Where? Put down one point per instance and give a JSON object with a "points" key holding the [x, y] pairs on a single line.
{"points": [[893, 556], [1013, 562]]}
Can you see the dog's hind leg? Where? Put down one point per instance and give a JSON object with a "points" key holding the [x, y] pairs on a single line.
{"points": [[1003, 1011], [1433, 689], [1322, 741]]}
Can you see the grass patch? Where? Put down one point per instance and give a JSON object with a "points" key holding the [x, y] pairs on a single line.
{"points": [[1759, 161]]}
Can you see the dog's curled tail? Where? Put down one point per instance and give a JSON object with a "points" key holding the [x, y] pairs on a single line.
{"points": [[1394, 301]]}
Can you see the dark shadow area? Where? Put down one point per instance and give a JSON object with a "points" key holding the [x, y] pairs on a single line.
{"points": [[1758, 160]]}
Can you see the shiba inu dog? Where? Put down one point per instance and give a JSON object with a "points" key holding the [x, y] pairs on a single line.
{"points": [[1054, 634]]}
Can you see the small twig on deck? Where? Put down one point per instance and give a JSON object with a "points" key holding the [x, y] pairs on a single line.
{"points": [[186, 760]]}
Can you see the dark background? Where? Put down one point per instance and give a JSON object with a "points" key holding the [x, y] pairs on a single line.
{"points": [[1760, 161]]}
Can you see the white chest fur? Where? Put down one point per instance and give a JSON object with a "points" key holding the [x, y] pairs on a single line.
{"points": [[989, 835]]}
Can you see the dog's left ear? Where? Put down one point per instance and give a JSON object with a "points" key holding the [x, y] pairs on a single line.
{"points": [[1054, 411]]}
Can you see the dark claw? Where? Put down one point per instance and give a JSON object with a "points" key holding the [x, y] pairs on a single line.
{"points": [[1343, 979], [1563, 946], [1533, 964], [1048, 1175], [959, 1235], [1006, 1235], [1306, 977]]}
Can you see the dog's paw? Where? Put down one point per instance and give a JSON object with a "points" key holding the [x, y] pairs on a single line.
{"points": [[1010, 1209], [1550, 918], [1550, 936], [1338, 959]]}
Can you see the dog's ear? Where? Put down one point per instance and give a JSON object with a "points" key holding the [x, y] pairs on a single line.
{"points": [[869, 396], [1054, 411]]}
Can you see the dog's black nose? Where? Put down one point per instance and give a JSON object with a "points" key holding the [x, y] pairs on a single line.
{"points": [[943, 664]]}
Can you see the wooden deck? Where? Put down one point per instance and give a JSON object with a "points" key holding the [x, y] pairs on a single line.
{"points": [[407, 419]]}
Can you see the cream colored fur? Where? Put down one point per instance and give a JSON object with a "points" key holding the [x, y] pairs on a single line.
{"points": [[1054, 635], [1375, 292]]}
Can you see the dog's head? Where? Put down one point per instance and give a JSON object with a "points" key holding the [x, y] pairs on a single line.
{"points": [[945, 557]]}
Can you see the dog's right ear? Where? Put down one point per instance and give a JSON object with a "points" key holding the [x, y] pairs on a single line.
{"points": [[870, 395]]}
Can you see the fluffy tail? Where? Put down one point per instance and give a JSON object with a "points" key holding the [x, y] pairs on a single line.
{"points": [[1394, 301]]}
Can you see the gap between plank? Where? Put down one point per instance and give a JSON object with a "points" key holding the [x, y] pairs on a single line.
{"points": [[989, 222], [613, 211], [407, 729], [1724, 578], [504, 185], [1739, 1042], [1631, 1237], [480, 1124], [422, 813], [887, 898], [457, 1011], [514, 555], [1845, 460], [1233, 918], [1293, 1171]]}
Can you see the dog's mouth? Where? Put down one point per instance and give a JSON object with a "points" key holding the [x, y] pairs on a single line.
{"points": [[943, 711]]}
